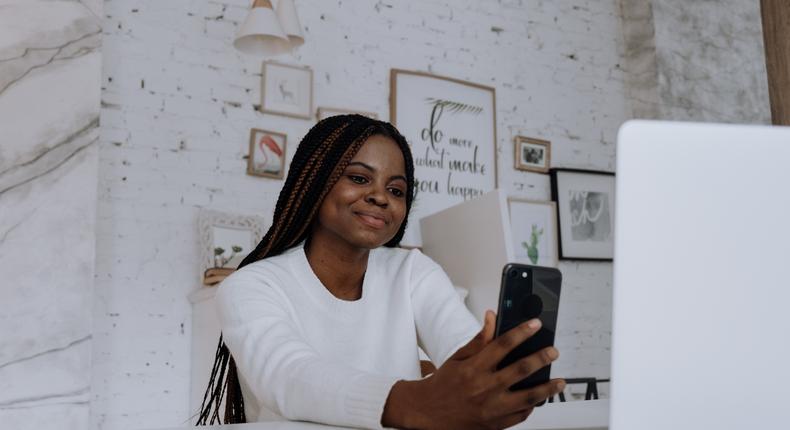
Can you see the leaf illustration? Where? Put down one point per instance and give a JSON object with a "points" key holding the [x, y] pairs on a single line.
{"points": [[454, 107]]}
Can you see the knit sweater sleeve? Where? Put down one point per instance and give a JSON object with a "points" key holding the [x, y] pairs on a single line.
{"points": [[284, 372], [444, 324]]}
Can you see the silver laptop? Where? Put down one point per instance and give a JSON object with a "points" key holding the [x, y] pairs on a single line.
{"points": [[701, 313]]}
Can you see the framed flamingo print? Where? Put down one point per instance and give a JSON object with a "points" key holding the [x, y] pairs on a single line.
{"points": [[267, 154]]}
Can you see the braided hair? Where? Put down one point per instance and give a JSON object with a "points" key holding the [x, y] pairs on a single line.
{"points": [[319, 161]]}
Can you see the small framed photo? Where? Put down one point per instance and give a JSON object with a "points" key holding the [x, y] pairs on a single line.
{"points": [[533, 225], [533, 155], [585, 213], [225, 239], [287, 90], [266, 156], [326, 112]]}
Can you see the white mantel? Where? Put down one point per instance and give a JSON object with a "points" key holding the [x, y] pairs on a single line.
{"points": [[579, 415]]}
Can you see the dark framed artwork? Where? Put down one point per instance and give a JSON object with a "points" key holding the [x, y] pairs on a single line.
{"points": [[585, 213]]}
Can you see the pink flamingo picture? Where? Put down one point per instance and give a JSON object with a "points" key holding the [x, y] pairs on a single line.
{"points": [[272, 155]]}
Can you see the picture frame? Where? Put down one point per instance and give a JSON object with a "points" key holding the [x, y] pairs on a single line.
{"points": [[225, 231], [266, 154], [533, 227], [585, 213], [450, 125], [326, 112], [532, 155], [287, 90]]}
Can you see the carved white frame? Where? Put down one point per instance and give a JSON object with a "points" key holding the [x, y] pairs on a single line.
{"points": [[208, 219]]}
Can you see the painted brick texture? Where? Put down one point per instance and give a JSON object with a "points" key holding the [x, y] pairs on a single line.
{"points": [[178, 103]]}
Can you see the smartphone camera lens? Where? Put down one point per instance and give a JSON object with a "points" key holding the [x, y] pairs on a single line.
{"points": [[513, 273]]}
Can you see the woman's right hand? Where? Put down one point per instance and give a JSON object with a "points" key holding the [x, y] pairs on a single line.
{"points": [[468, 392]]}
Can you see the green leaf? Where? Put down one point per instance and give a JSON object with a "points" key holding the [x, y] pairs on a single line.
{"points": [[455, 107]]}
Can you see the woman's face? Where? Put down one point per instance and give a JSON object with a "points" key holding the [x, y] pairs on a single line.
{"points": [[367, 205]]}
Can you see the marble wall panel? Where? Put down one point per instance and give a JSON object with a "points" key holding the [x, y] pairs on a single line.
{"points": [[50, 71], [711, 61], [640, 58]]}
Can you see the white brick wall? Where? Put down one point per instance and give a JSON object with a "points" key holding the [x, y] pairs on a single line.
{"points": [[178, 103]]}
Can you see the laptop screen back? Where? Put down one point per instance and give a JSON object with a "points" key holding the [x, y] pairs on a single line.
{"points": [[701, 311]]}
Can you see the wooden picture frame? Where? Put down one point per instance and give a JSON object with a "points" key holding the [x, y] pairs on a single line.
{"points": [[287, 90], [585, 213], [325, 112], [450, 125], [266, 156], [533, 227], [532, 155]]}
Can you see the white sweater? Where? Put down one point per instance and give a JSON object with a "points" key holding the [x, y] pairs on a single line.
{"points": [[307, 355]]}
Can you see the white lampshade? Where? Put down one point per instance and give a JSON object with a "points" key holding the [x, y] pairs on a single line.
{"points": [[286, 12], [261, 33]]}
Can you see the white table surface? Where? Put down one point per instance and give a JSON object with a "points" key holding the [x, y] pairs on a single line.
{"points": [[574, 415]]}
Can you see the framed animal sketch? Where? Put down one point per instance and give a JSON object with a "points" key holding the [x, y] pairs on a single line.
{"points": [[326, 112], [266, 157], [533, 226], [585, 213], [533, 155], [287, 90]]}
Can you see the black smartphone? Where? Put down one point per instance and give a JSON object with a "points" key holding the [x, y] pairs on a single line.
{"points": [[528, 292]]}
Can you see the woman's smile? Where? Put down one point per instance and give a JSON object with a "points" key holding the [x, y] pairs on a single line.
{"points": [[372, 220], [367, 205]]}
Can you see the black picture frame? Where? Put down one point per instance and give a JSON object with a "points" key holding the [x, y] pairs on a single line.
{"points": [[568, 249]]}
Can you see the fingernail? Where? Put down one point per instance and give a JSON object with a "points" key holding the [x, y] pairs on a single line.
{"points": [[561, 385], [533, 323], [553, 353]]}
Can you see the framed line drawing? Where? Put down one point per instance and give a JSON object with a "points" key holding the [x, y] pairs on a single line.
{"points": [[532, 155], [450, 125], [287, 90], [326, 112], [585, 213], [533, 226], [266, 157]]}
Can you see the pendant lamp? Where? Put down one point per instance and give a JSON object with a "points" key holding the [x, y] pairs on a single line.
{"points": [[261, 33], [286, 12]]}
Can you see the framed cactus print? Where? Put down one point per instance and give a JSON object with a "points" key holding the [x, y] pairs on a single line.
{"points": [[533, 226]]}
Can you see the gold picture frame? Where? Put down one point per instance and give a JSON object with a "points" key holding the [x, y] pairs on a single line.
{"points": [[266, 156], [533, 227], [325, 112], [287, 90], [532, 155]]}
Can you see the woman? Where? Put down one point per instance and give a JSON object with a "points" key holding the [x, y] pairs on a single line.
{"points": [[325, 316]]}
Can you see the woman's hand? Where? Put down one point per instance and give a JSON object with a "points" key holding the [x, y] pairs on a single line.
{"points": [[468, 392]]}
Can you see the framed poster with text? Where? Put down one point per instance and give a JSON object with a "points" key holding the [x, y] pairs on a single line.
{"points": [[451, 127]]}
